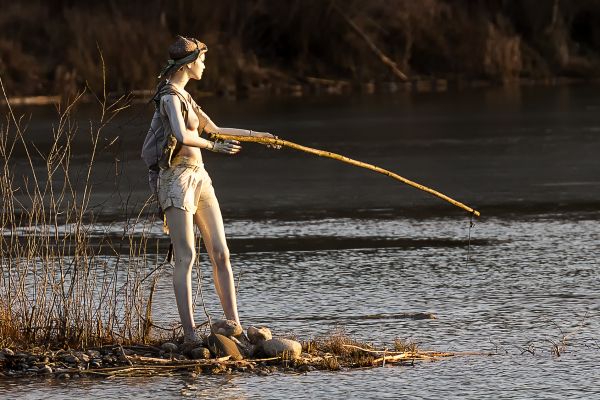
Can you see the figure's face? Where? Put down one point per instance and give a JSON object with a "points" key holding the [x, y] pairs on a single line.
{"points": [[197, 67]]}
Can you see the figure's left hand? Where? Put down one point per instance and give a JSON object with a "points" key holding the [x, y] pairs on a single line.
{"points": [[270, 136], [227, 147]]}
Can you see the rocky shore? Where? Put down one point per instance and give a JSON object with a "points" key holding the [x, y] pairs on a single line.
{"points": [[227, 349]]}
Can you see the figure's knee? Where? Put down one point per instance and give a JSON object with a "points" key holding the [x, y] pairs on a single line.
{"points": [[184, 256], [220, 255]]}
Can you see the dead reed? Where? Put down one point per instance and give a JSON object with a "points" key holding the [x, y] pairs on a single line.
{"points": [[58, 286]]}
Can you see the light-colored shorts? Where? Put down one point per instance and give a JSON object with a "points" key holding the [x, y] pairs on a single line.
{"points": [[185, 185]]}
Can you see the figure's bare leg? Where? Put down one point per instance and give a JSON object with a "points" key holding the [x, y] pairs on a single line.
{"points": [[181, 227], [210, 222]]}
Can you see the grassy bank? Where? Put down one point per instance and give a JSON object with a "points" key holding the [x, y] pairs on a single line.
{"points": [[52, 48]]}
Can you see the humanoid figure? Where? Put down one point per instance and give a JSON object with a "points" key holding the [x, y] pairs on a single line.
{"points": [[185, 190]]}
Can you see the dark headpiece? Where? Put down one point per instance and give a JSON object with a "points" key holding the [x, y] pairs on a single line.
{"points": [[182, 51]]}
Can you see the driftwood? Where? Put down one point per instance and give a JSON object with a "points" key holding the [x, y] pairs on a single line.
{"points": [[384, 59], [328, 154]]}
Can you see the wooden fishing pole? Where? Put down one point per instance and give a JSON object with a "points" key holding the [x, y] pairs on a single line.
{"points": [[328, 154]]}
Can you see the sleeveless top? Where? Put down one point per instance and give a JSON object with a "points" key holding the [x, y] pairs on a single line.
{"points": [[160, 127]]}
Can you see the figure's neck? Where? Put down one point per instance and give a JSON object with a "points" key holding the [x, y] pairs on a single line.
{"points": [[179, 80]]}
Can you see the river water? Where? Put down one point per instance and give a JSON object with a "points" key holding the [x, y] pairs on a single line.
{"points": [[322, 246]]}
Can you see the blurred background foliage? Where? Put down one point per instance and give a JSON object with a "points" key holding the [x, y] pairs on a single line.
{"points": [[51, 46]]}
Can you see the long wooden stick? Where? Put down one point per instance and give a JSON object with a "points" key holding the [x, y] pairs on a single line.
{"points": [[328, 154]]}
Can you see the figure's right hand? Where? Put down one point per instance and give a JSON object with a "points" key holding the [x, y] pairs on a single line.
{"points": [[226, 147]]}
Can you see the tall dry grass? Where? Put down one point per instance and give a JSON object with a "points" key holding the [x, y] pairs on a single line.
{"points": [[61, 285]]}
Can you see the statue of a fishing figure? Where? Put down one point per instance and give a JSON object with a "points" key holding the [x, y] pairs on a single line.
{"points": [[173, 152]]}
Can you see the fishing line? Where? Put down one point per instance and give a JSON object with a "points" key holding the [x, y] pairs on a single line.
{"points": [[471, 224]]}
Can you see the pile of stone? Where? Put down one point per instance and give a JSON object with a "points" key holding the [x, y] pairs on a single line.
{"points": [[227, 339]]}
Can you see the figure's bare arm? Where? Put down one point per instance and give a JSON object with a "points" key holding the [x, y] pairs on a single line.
{"points": [[172, 108], [211, 127]]}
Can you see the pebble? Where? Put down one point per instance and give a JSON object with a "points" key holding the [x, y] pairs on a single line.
{"points": [[45, 369], [278, 347], [169, 347], [70, 359], [200, 353], [8, 352], [259, 334], [222, 346], [82, 356], [94, 353], [306, 368], [227, 327]]}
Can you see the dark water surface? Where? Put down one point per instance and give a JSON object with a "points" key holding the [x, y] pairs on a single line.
{"points": [[322, 245]]}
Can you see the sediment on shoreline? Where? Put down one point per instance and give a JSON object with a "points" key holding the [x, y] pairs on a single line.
{"points": [[335, 352]]}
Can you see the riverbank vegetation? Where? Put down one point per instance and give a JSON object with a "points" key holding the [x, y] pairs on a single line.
{"points": [[63, 283], [51, 48]]}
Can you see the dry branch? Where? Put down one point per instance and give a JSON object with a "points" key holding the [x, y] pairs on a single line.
{"points": [[384, 59]]}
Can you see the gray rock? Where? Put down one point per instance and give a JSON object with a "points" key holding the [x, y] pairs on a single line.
{"points": [[94, 353], [64, 376], [2, 356], [96, 363], [45, 369], [282, 347], [200, 353], [246, 348], [82, 357], [70, 359], [226, 327], [259, 334], [8, 352], [306, 368], [222, 346], [33, 369], [169, 347]]}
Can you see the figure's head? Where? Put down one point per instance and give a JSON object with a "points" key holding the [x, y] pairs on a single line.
{"points": [[188, 53]]}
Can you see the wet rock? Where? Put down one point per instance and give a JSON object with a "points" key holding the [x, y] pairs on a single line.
{"points": [[246, 348], [82, 357], [45, 369], [106, 350], [169, 347], [306, 368], [222, 346], [200, 353], [69, 359], [259, 334], [2, 356], [96, 363], [128, 352], [94, 353], [109, 359], [8, 352], [282, 347], [64, 376], [226, 327]]}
